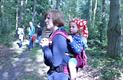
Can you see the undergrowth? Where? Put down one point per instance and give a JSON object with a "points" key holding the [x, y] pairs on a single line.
{"points": [[110, 68]]}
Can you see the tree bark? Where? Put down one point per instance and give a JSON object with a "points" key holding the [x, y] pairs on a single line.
{"points": [[57, 4], [102, 28], [114, 30], [90, 10], [3, 26], [1, 10], [34, 7], [90, 15], [94, 13], [17, 8]]}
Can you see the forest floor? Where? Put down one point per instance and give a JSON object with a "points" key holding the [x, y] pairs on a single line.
{"points": [[21, 64]]}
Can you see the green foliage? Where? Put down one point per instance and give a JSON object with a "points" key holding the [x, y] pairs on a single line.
{"points": [[6, 39], [40, 8], [84, 10], [7, 21], [110, 74], [8, 15], [97, 57], [121, 6], [110, 68], [67, 28], [34, 52], [71, 9]]}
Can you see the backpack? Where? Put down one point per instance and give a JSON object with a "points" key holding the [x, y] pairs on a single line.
{"points": [[81, 58], [33, 38]]}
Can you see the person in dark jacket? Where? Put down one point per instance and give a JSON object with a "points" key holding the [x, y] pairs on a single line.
{"points": [[39, 33]]}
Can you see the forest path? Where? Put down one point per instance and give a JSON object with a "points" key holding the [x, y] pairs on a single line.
{"points": [[20, 64]]}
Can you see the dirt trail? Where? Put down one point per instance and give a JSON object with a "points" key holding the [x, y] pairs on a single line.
{"points": [[17, 64]]}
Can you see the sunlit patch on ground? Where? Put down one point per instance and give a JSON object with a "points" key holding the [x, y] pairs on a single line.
{"points": [[121, 75], [24, 65], [39, 56]]}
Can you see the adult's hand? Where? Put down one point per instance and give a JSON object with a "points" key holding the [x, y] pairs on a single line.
{"points": [[44, 42], [70, 38]]}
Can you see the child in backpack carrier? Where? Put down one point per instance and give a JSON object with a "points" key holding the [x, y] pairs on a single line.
{"points": [[78, 43]]}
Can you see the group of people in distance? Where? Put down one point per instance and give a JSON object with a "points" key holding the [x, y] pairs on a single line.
{"points": [[59, 51], [34, 35]]}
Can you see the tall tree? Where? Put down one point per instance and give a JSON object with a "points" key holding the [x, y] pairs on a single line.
{"points": [[58, 4], [17, 14], [2, 16], [1, 11], [34, 10], [90, 10], [103, 23], [20, 12], [114, 29], [94, 13], [121, 7]]}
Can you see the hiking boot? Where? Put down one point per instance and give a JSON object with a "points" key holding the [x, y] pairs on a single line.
{"points": [[20, 45]]}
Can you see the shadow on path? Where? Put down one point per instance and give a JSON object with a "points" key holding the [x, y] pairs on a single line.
{"points": [[21, 66]]}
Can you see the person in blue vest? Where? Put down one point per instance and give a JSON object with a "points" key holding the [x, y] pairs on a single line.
{"points": [[31, 33], [54, 53]]}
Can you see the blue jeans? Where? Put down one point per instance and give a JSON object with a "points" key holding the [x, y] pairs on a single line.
{"points": [[30, 46], [39, 39], [58, 76]]}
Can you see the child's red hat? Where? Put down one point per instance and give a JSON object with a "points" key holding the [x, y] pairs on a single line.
{"points": [[81, 24]]}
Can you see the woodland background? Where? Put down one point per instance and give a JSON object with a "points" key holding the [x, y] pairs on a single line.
{"points": [[105, 25]]}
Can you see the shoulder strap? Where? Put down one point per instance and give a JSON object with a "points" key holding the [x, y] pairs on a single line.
{"points": [[63, 33]]}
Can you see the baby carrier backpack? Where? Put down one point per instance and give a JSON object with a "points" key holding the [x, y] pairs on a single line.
{"points": [[81, 58]]}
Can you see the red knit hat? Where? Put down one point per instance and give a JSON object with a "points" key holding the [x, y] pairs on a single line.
{"points": [[82, 25]]}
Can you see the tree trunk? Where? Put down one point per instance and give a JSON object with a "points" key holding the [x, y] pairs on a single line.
{"points": [[17, 8], [20, 3], [57, 4], [94, 13], [1, 11], [102, 25], [90, 16], [34, 7], [122, 38], [53, 4], [114, 30], [3, 25]]}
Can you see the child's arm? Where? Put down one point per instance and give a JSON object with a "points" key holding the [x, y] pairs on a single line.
{"points": [[76, 44]]}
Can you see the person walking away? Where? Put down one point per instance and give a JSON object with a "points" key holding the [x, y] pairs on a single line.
{"points": [[20, 33], [39, 33], [31, 33]]}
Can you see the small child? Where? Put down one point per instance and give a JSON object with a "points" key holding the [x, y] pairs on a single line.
{"points": [[77, 41], [20, 32]]}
